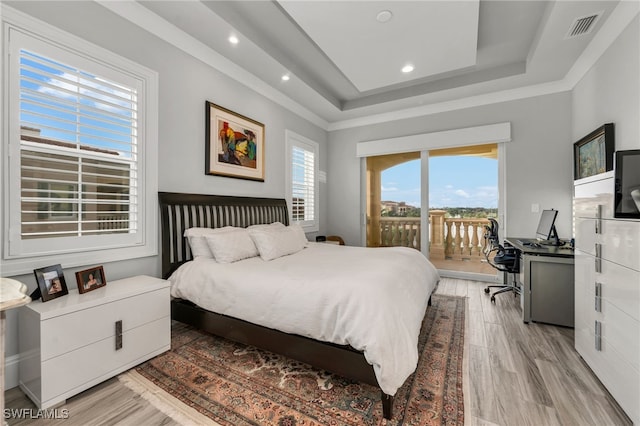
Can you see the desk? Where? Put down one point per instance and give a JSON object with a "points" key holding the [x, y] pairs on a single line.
{"points": [[547, 283]]}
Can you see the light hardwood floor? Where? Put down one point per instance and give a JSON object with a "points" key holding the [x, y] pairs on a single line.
{"points": [[526, 374], [520, 374]]}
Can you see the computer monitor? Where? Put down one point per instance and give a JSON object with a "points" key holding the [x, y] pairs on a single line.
{"points": [[546, 231]]}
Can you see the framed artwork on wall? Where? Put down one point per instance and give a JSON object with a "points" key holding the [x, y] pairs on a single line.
{"points": [[234, 145], [593, 154]]}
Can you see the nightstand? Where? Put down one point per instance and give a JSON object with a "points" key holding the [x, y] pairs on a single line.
{"points": [[76, 341]]}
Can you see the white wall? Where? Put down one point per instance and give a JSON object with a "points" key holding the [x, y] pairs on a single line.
{"points": [[610, 92], [185, 84], [539, 161]]}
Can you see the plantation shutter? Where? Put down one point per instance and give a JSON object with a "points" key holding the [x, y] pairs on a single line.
{"points": [[303, 184], [78, 151]]}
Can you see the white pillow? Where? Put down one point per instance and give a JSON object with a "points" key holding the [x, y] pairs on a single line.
{"points": [[228, 247], [300, 233], [275, 243], [197, 243], [274, 225]]}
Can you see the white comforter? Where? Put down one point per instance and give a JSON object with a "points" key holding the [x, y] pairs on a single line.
{"points": [[373, 299]]}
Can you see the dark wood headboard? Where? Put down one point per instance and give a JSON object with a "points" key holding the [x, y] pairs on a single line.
{"points": [[179, 212]]}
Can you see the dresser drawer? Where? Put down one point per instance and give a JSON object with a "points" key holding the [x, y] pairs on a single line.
{"points": [[620, 378], [619, 286], [594, 196], [84, 327], [619, 240], [75, 371]]}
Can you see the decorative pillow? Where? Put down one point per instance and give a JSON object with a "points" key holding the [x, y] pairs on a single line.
{"points": [[228, 247], [274, 225], [275, 243], [300, 233], [197, 242]]}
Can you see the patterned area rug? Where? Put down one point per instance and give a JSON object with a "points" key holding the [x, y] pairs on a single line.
{"points": [[233, 384]]}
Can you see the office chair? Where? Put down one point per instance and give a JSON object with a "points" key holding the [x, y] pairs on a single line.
{"points": [[506, 260]]}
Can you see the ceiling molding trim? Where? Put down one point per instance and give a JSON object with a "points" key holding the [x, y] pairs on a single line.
{"points": [[624, 13], [161, 28], [617, 22], [458, 104], [477, 135], [619, 19]]}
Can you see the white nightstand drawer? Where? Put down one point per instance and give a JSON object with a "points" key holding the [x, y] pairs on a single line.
{"points": [[69, 344], [84, 327], [72, 372]]}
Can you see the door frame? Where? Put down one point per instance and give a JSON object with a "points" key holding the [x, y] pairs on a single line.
{"points": [[498, 133]]}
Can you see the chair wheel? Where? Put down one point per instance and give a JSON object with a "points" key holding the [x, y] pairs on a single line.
{"points": [[493, 299], [486, 290]]}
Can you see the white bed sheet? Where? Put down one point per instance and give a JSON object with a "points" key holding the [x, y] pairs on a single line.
{"points": [[373, 299]]}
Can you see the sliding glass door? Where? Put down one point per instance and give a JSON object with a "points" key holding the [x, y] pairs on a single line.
{"points": [[459, 189]]}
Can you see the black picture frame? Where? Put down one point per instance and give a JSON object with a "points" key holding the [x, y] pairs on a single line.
{"points": [[593, 154], [91, 279], [51, 282], [234, 144]]}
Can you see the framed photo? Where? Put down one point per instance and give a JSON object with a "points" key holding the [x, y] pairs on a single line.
{"points": [[593, 154], [234, 144], [51, 282], [90, 279]]}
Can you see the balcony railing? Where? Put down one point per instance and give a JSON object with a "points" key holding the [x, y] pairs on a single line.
{"points": [[451, 238]]}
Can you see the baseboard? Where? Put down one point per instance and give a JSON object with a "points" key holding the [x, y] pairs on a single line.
{"points": [[11, 364]]}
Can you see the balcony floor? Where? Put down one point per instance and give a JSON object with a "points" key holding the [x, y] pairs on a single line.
{"points": [[464, 266]]}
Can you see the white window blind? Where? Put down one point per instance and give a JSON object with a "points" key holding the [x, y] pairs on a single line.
{"points": [[303, 184], [78, 151], [80, 156], [303, 181]]}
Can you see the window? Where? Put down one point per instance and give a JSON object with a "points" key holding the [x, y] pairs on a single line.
{"points": [[302, 179], [81, 178]]}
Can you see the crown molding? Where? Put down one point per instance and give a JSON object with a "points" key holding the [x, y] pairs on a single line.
{"points": [[619, 19], [161, 28], [457, 104]]}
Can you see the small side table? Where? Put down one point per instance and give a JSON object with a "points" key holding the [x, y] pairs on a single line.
{"points": [[12, 295]]}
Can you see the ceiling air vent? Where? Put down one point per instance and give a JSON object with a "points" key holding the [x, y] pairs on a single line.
{"points": [[583, 25]]}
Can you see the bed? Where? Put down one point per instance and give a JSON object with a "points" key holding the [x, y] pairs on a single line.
{"points": [[209, 295]]}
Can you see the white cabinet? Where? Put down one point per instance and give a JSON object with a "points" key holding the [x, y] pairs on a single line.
{"points": [[77, 341], [607, 291]]}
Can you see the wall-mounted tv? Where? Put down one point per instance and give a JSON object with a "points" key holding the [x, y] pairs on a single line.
{"points": [[627, 184]]}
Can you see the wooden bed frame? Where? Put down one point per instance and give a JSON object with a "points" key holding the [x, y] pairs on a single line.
{"points": [[181, 211]]}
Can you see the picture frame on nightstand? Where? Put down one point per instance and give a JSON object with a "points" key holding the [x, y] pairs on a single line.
{"points": [[51, 283], [91, 279]]}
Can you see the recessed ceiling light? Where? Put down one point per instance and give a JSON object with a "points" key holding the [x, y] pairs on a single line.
{"points": [[407, 68], [285, 77], [384, 16], [233, 39]]}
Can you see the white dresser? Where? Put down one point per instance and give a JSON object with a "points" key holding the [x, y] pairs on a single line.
{"points": [[77, 341], [607, 291]]}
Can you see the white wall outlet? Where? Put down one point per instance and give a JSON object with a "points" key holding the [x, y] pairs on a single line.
{"points": [[535, 208]]}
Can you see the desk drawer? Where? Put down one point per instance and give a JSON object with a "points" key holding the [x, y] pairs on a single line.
{"points": [[66, 333]]}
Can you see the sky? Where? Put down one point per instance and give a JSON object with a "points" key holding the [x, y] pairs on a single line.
{"points": [[456, 181]]}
